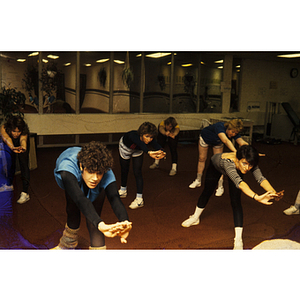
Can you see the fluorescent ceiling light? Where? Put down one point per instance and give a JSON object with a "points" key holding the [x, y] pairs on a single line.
{"points": [[292, 55], [238, 66], [158, 54], [219, 61], [21, 59], [120, 62], [139, 55], [186, 65], [102, 60], [53, 56], [33, 54], [67, 64], [220, 67], [44, 60], [88, 65]]}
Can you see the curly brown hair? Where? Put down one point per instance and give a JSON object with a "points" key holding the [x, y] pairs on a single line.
{"points": [[95, 158], [148, 128], [234, 124]]}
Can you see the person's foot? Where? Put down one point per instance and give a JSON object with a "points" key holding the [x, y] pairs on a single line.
{"points": [[172, 172], [192, 220], [238, 244], [154, 166], [23, 198], [194, 184], [292, 210], [137, 203], [122, 193], [219, 191]]}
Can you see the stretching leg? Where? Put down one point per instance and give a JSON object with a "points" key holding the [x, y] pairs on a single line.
{"points": [[125, 164], [137, 163]]}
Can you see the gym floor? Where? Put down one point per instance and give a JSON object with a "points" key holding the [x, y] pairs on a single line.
{"points": [[38, 223]]}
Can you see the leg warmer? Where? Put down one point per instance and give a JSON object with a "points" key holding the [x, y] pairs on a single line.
{"points": [[97, 248], [69, 240]]}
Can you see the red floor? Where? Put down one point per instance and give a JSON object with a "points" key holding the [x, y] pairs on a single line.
{"points": [[38, 224]]}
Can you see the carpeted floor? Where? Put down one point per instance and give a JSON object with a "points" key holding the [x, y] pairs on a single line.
{"points": [[38, 224]]}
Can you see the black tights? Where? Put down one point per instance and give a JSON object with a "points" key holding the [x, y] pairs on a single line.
{"points": [[97, 238], [210, 184], [137, 163], [163, 139]]}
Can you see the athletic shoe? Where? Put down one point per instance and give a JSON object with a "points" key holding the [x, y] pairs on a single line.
{"points": [[137, 203], [23, 198], [219, 191], [172, 172], [192, 220], [195, 183], [238, 244], [122, 193], [292, 210], [154, 166], [6, 188]]}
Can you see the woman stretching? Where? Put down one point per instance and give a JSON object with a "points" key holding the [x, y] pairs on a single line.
{"points": [[133, 145], [234, 165]]}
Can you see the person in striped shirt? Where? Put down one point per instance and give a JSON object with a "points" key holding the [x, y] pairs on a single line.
{"points": [[234, 165]]}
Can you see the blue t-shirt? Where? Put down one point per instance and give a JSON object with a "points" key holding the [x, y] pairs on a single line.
{"points": [[67, 161], [210, 133]]}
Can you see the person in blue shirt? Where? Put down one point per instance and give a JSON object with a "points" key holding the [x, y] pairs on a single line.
{"points": [[86, 176], [134, 144], [217, 135]]}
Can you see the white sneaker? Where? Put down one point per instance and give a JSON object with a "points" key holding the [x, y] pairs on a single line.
{"points": [[154, 166], [219, 191], [292, 210], [195, 183], [238, 244], [192, 220], [136, 203], [122, 193], [23, 198], [6, 188], [172, 172]]}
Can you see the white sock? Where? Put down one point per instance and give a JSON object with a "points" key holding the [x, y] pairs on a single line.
{"points": [[156, 161], [220, 183], [139, 195], [198, 212], [298, 199], [199, 176], [238, 233], [174, 167], [123, 188]]}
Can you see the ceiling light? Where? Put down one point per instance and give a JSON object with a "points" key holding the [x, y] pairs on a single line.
{"points": [[220, 67], [158, 54], [169, 63], [102, 60], [88, 65], [292, 55], [139, 55], [120, 62], [219, 61], [33, 54], [53, 56], [67, 64], [186, 65], [21, 59], [44, 60], [238, 66]]}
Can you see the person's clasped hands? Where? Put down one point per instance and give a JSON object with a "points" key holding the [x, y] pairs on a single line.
{"points": [[120, 229]]}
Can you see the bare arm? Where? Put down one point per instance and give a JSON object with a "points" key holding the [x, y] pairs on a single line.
{"points": [[241, 142], [264, 198], [6, 138], [226, 141]]}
